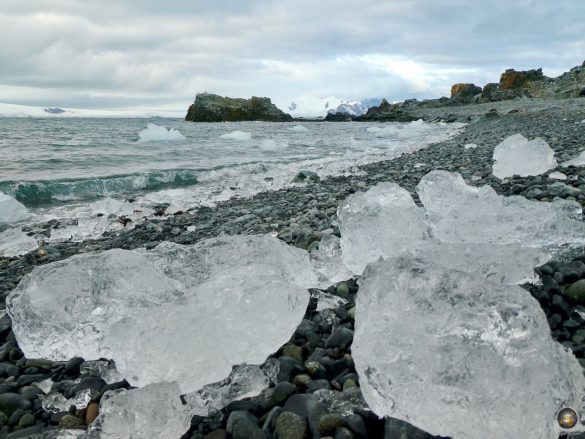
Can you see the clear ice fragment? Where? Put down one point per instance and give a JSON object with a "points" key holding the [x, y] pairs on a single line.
{"points": [[516, 155]]}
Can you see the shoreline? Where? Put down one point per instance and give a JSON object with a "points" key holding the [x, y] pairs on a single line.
{"points": [[301, 215]]}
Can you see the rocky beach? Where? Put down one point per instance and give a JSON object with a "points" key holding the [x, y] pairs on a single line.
{"points": [[315, 390]]}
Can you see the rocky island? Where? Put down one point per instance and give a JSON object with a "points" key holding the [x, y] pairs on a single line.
{"points": [[214, 108]]}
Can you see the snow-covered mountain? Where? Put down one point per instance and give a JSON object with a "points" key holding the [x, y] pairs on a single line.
{"points": [[320, 107], [352, 108]]}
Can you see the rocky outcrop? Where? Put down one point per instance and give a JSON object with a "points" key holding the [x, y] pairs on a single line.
{"points": [[513, 80], [213, 108], [386, 112], [464, 90]]}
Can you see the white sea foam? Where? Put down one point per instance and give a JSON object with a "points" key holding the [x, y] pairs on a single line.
{"points": [[237, 135], [154, 133]]}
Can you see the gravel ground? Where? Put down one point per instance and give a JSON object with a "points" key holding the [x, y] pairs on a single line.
{"points": [[319, 354]]}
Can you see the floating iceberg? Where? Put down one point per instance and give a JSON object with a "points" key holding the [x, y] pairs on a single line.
{"points": [[154, 132], [176, 313], [155, 411], [516, 234], [11, 210], [460, 356], [298, 128], [272, 145], [578, 160], [237, 135], [518, 156]]}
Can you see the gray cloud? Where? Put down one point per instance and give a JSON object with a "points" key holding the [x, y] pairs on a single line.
{"points": [[108, 53]]}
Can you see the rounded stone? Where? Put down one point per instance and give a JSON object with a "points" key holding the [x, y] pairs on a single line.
{"points": [[92, 412], [290, 426], [576, 292], [342, 289], [10, 402], [283, 391], [70, 421], [567, 418], [27, 420], [330, 422]]}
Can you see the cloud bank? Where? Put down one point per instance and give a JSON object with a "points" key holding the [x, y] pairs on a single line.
{"points": [[157, 55]]}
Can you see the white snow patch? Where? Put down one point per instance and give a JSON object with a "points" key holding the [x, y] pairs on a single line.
{"points": [[153, 133]]}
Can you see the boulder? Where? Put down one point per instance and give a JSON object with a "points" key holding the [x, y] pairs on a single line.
{"points": [[213, 108], [464, 90]]}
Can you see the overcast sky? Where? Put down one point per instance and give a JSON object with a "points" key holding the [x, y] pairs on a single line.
{"points": [[152, 54]]}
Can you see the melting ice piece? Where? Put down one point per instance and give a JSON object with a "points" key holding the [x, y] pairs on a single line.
{"points": [[154, 411], [518, 156], [460, 213], [557, 176], [460, 357], [11, 210], [382, 222], [154, 132], [244, 381], [106, 370], [14, 242], [237, 135], [327, 262], [176, 313], [470, 146], [327, 301], [578, 160]]}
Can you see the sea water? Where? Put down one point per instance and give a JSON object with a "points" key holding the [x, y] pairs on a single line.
{"points": [[82, 172]]}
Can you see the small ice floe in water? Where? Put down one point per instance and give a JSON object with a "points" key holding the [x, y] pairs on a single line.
{"points": [[237, 135], [12, 210], [298, 128], [460, 356], [516, 155], [557, 176], [470, 146], [151, 299], [154, 132], [272, 145], [154, 411], [578, 160]]}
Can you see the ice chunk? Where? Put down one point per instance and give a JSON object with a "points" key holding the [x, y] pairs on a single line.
{"points": [[470, 146], [382, 222], [11, 210], [518, 156], [346, 402], [154, 132], [154, 411], [106, 370], [557, 176], [327, 262], [176, 313], [326, 300], [578, 160], [244, 381], [237, 135], [56, 402], [460, 213], [516, 234], [298, 128], [460, 356], [14, 242], [272, 145]]}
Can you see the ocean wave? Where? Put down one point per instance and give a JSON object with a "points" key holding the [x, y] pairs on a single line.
{"points": [[44, 192]]}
